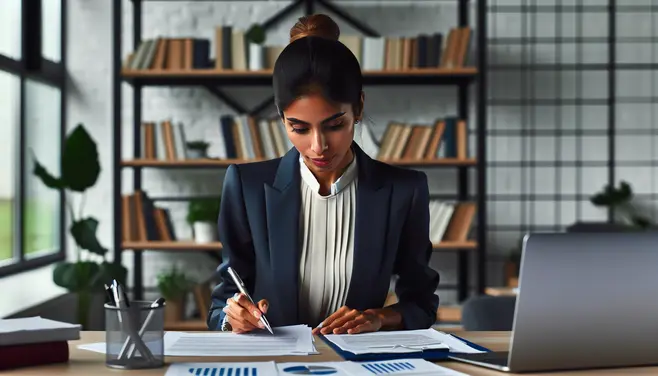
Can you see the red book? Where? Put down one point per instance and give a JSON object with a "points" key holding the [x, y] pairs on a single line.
{"points": [[33, 354]]}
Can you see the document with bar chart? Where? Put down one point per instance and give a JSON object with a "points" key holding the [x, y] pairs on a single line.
{"points": [[222, 369], [408, 367]]}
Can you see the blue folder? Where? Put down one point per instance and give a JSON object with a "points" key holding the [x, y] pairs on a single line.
{"points": [[431, 355]]}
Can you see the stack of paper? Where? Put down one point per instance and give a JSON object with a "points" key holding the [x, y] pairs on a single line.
{"points": [[409, 367], [286, 340], [36, 330], [404, 341]]}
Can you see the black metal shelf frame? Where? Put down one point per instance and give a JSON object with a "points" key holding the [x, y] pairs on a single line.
{"points": [[462, 82]]}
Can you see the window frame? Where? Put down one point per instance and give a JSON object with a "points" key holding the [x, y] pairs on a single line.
{"points": [[33, 66]]}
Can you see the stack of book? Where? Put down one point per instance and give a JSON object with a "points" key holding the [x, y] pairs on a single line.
{"points": [[32, 341]]}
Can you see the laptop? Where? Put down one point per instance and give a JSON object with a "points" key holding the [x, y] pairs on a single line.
{"points": [[585, 300]]}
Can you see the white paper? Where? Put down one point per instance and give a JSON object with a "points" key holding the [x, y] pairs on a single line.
{"points": [[289, 340], [404, 341], [457, 345], [415, 367], [36, 329], [223, 369], [389, 342], [311, 368]]}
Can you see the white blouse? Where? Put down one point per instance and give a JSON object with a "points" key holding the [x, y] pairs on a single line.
{"points": [[327, 244]]}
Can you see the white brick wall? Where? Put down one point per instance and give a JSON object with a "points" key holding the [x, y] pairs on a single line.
{"points": [[89, 43]]}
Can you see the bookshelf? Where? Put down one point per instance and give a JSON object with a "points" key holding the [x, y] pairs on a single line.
{"points": [[462, 77]]}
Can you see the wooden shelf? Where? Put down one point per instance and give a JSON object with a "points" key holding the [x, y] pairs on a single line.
{"points": [[188, 245], [193, 325], [501, 291], [469, 244], [219, 163], [205, 77], [184, 245]]}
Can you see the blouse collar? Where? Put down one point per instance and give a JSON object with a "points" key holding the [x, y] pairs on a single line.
{"points": [[343, 181]]}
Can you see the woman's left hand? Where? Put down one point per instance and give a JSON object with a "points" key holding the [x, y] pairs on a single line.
{"points": [[350, 321]]}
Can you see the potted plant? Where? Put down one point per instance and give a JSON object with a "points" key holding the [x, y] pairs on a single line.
{"points": [[174, 286], [620, 200], [202, 214], [197, 149], [255, 36], [87, 275]]}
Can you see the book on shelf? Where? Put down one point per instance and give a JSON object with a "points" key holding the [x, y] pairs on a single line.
{"points": [[251, 138], [450, 222], [143, 221], [233, 51], [448, 138]]}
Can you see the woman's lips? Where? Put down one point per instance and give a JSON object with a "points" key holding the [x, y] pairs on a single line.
{"points": [[321, 162]]}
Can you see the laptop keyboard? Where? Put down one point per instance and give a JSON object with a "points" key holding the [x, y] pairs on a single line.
{"points": [[498, 358]]}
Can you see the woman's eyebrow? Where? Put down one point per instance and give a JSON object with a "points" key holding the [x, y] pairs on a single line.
{"points": [[330, 118]]}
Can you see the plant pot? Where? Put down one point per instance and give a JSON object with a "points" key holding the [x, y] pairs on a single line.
{"points": [[256, 56], [174, 310], [196, 154], [204, 232]]}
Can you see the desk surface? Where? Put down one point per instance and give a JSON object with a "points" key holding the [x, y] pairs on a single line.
{"points": [[87, 363]]}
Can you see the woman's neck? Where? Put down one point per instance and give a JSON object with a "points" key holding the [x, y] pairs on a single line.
{"points": [[326, 179]]}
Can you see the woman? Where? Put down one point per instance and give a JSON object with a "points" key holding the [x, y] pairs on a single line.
{"points": [[317, 234]]}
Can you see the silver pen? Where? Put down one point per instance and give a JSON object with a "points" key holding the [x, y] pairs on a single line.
{"points": [[243, 289]]}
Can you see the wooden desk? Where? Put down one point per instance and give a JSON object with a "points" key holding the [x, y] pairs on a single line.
{"points": [[85, 363]]}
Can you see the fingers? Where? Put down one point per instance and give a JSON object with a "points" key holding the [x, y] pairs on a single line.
{"points": [[366, 327], [263, 305], [340, 312], [242, 314], [340, 321]]}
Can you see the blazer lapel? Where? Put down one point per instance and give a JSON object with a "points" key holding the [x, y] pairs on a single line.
{"points": [[282, 202], [372, 212]]}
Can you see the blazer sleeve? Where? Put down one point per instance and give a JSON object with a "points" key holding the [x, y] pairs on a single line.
{"points": [[237, 246], [417, 282]]}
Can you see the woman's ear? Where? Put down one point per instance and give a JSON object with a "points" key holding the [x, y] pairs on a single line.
{"points": [[359, 116]]}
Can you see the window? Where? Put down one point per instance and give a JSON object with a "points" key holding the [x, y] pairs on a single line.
{"points": [[32, 115]]}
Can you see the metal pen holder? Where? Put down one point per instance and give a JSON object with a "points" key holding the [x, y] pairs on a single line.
{"points": [[134, 336]]}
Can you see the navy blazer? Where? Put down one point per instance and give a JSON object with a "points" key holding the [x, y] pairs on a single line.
{"points": [[259, 229]]}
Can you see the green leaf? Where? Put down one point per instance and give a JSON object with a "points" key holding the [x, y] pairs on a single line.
{"points": [[76, 277], [64, 276], [641, 221], [46, 177], [109, 271], [255, 34], [84, 234], [80, 164]]}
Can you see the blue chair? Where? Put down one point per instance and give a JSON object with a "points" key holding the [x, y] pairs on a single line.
{"points": [[488, 313]]}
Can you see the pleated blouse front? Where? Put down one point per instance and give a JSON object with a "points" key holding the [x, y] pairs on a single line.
{"points": [[327, 244]]}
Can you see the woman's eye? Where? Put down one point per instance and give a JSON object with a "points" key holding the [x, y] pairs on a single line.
{"points": [[335, 127], [299, 130]]}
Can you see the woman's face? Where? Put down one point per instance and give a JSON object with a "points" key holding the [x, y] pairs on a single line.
{"points": [[321, 131]]}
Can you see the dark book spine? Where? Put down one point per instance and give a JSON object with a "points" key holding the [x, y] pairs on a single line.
{"points": [[437, 45], [422, 51], [450, 137], [227, 32], [33, 354], [201, 58], [226, 123]]}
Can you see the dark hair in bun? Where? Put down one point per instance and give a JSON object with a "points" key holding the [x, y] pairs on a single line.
{"points": [[316, 62]]}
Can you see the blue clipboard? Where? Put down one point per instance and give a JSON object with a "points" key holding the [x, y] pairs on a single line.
{"points": [[431, 355]]}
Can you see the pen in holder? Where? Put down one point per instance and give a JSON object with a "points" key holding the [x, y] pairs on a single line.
{"points": [[134, 335]]}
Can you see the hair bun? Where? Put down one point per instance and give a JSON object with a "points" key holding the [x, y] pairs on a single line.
{"points": [[316, 25]]}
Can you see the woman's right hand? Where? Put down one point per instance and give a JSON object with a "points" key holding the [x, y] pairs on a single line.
{"points": [[243, 315]]}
